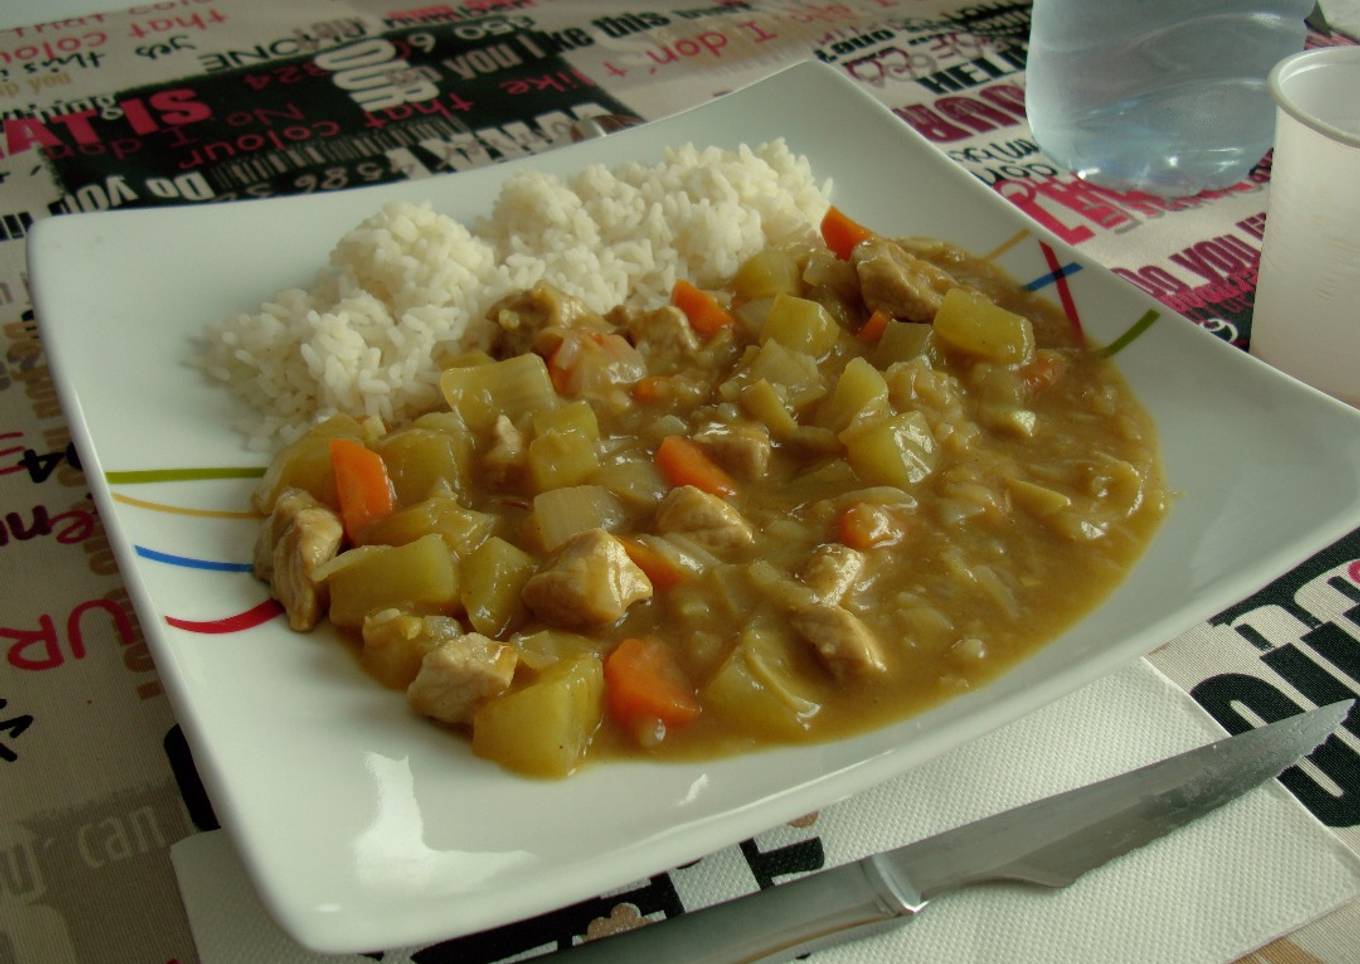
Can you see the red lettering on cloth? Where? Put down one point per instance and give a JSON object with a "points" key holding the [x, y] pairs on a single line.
{"points": [[1024, 196], [47, 642], [45, 635]]}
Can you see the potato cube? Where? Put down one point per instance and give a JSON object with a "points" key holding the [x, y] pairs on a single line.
{"points": [[544, 729], [859, 391], [902, 341], [452, 425], [516, 387], [761, 400], [462, 528], [801, 325], [577, 416], [422, 575], [306, 464], [492, 579], [825, 270], [768, 273], [761, 688], [395, 641], [795, 371], [751, 316], [897, 450], [562, 513], [635, 482], [561, 457], [418, 459], [969, 321]]}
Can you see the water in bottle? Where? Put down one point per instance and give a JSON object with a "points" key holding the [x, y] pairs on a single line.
{"points": [[1161, 96]]}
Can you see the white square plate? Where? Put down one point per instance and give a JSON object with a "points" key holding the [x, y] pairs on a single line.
{"points": [[364, 827]]}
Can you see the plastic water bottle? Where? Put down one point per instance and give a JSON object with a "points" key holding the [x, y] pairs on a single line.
{"points": [[1163, 96]]}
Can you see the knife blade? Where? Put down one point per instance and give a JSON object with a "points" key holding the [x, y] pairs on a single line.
{"points": [[1050, 842]]}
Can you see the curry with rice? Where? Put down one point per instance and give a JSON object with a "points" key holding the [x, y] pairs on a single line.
{"points": [[863, 476]]}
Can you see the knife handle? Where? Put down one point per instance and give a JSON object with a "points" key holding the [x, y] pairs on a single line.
{"points": [[775, 924]]}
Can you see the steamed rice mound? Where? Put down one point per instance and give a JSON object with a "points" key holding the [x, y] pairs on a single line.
{"points": [[410, 285]]}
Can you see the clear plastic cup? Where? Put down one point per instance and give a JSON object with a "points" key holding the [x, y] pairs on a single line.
{"points": [[1306, 320]]}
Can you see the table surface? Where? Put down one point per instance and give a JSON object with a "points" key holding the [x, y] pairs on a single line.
{"points": [[96, 777]]}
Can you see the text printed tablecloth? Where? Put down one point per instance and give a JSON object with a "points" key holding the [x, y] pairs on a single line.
{"points": [[200, 102]]}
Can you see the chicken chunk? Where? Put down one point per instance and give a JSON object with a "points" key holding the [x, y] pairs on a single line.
{"points": [[665, 333], [589, 582], [705, 518], [287, 506], [743, 449], [506, 456], [831, 570], [897, 282], [300, 535], [523, 317], [844, 643], [458, 674]]}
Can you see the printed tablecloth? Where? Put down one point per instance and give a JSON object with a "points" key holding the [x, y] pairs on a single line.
{"points": [[202, 101]]}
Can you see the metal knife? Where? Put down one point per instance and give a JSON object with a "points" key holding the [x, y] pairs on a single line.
{"points": [[1050, 842]]}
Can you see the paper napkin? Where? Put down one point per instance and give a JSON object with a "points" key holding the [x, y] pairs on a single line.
{"points": [[1258, 868]]}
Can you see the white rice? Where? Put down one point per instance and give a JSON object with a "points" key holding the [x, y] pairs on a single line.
{"points": [[409, 282]]}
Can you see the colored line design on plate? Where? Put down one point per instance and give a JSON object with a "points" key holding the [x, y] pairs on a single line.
{"points": [[182, 510], [1043, 281], [1006, 245], [255, 616], [1136, 329], [143, 476], [191, 563], [1064, 292]]}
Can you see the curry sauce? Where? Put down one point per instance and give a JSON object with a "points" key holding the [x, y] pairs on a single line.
{"points": [[865, 475]]}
